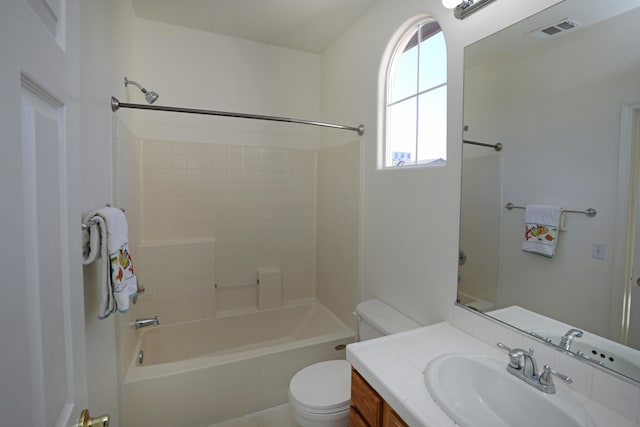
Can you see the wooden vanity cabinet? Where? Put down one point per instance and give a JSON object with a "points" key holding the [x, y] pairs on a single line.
{"points": [[368, 408], [390, 418]]}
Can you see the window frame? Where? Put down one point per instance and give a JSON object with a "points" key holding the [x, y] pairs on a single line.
{"points": [[396, 48]]}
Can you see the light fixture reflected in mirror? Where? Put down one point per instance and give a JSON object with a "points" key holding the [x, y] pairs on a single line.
{"points": [[466, 8], [450, 4]]}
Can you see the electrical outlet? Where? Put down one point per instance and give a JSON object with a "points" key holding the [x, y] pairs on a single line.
{"points": [[597, 251]]}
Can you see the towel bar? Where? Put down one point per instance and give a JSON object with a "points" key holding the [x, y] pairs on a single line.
{"points": [[591, 212], [86, 225], [497, 147], [141, 290]]}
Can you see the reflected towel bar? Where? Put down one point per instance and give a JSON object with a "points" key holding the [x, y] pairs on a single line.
{"points": [[591, 212], [497, 147], [116, 104]]}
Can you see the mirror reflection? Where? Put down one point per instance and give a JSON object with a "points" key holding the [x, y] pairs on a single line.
{"points": [[561, 92]]}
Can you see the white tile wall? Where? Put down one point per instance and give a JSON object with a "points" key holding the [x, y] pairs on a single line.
{"points": [[295, 209], [259, 204], [178, 276]]}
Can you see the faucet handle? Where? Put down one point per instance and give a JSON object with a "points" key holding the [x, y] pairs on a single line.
{"points": [[502, 346], [509, 349], [514, 355], [545, 377]]}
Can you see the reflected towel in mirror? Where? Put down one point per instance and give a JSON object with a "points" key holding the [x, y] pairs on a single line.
{"points": [[542, 223]]}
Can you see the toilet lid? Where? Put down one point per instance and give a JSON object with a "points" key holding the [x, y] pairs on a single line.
{"points": [[322, 387]]}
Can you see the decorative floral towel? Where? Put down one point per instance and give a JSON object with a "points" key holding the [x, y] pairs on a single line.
{"points": [[542, 223], [123, 279]]}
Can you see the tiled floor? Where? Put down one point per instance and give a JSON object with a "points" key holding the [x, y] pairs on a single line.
{"points": [[279, 416]]}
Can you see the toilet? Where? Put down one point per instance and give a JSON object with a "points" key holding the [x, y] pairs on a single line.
{"points": [[320, 394]]}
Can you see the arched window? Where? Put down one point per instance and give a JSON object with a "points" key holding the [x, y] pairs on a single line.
{"points": [[416, 99]]}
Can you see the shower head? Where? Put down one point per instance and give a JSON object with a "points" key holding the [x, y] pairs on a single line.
{"points": [[151, 97]]}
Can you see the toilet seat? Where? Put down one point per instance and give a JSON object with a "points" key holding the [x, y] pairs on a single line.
{"points": [[322, 388]]}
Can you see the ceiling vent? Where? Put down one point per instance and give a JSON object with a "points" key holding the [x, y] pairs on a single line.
{"points": [[553, 30]]}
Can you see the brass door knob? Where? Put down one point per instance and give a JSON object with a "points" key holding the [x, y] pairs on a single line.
{"points": [[87, 421]]}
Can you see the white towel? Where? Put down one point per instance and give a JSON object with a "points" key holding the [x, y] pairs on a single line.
{"points": [[542, 223], [107, 242]]}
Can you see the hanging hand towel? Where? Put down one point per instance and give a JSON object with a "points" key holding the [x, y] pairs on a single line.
{"points": [[107, 242], [542, 223]]}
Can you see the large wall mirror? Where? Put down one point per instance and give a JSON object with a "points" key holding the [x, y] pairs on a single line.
{"points": [[561, 92]]}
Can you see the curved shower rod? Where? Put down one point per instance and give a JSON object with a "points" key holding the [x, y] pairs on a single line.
{"points": [[116, 104]]}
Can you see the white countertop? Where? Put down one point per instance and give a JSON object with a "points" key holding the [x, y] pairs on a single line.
{"points": [[394, 366]]}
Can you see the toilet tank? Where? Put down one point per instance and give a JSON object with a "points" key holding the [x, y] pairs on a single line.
{"points": [[377, 319]]}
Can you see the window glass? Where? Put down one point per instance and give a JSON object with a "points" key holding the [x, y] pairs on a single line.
{"points": [[416, 106], [404, 82], [433, 64], [402, 116], [432, 127]]}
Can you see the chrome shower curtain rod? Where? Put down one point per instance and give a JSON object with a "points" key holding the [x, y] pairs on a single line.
{"points": [[116, 104], [497, 147]]}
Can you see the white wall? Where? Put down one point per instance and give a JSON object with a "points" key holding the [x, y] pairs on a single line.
{"points": [[410, 217], [196, 69], [338, 214], [104, 58], [556, 108]]}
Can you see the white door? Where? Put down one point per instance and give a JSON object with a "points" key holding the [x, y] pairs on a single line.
{"points": [[43, 366]]}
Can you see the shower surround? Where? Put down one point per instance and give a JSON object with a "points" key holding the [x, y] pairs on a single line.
{"points": [[258, 203], [205, 213]]}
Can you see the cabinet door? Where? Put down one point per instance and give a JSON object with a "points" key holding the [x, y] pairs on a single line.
{"points": [[365, 399], [355, 419], [390, 418]]}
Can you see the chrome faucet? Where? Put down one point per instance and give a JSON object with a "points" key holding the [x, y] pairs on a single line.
{"points": [[143, 323], [524, 366], [523, 362], [567, 338]]}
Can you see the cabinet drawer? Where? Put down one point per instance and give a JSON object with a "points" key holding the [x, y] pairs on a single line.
{"points": [[365, 399]]}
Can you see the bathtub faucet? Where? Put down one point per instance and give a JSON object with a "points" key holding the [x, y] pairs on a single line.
{"points": [[149, 321]]}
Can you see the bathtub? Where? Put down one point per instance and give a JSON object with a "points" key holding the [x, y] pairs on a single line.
{"points": [[207, 371]]}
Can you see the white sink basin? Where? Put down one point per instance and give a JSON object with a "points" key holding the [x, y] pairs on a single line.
{"points": [[477, 391]]}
